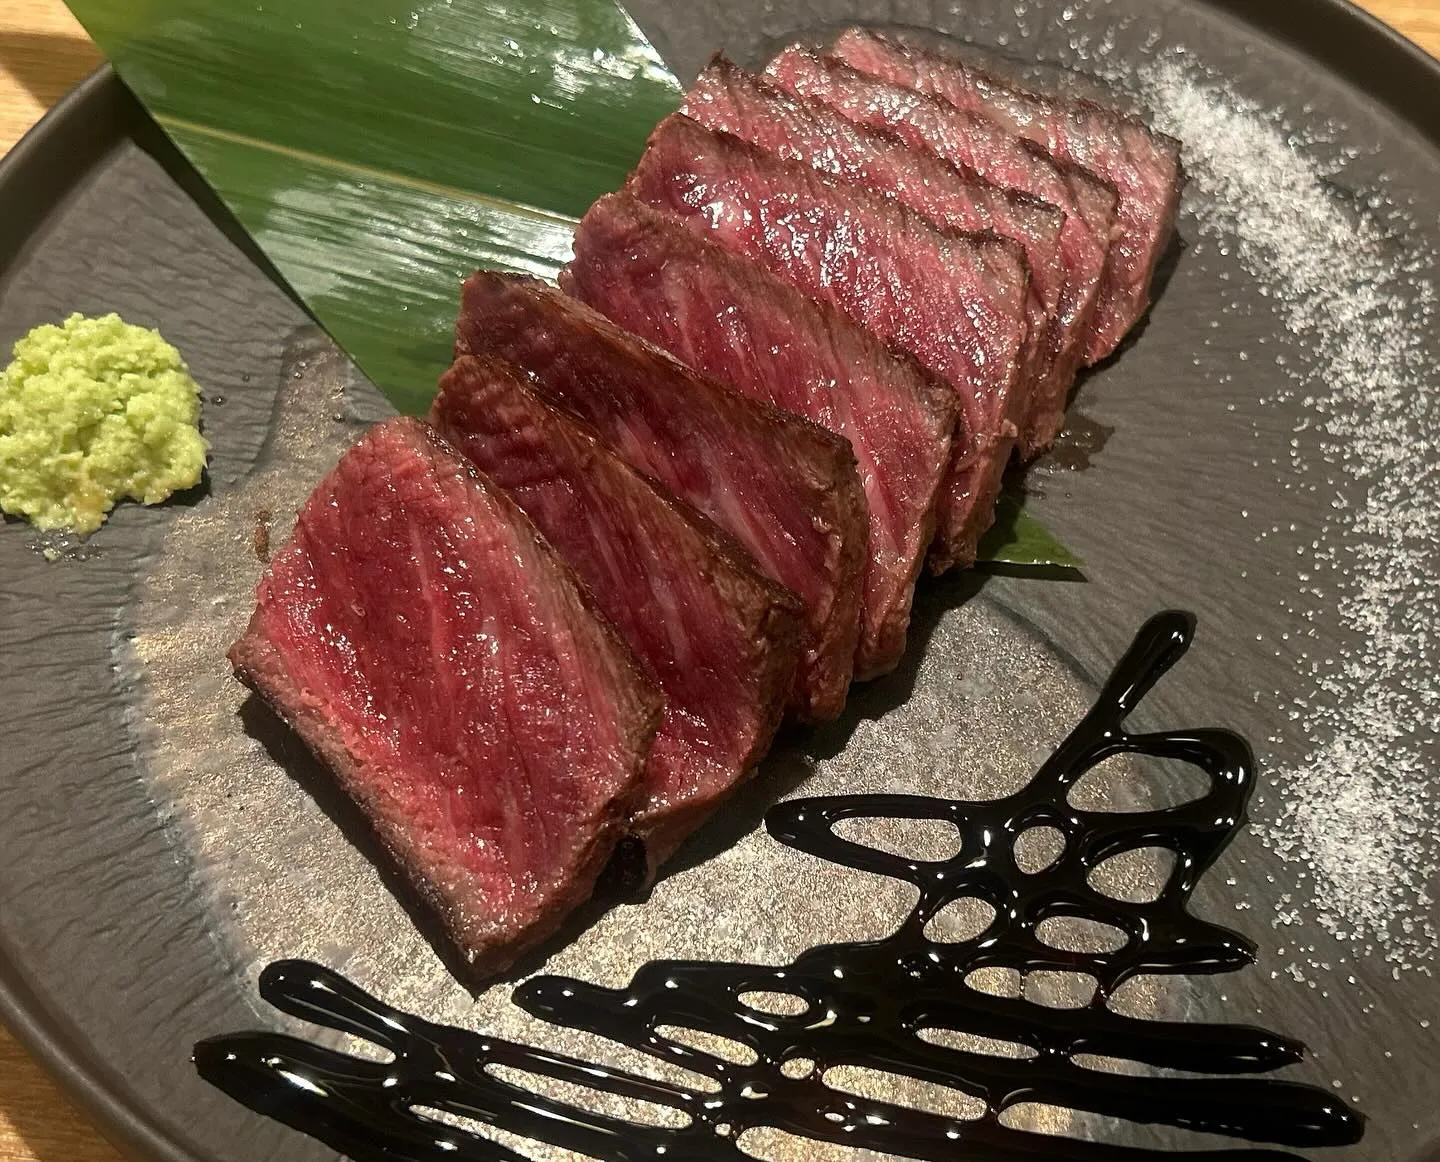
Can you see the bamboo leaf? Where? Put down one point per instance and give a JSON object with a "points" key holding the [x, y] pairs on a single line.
{"points": [[380, 150], [378, 261], [1017, 538], [542, 102]]}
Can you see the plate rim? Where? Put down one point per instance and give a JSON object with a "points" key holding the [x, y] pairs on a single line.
{"points": [[39, 172], [100, 112]]}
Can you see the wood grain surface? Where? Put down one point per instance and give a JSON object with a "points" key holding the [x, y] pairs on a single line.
{"points": [[42, 53]]}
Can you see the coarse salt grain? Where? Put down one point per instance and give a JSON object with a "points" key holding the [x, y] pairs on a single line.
{"points": [[1358, 814]]}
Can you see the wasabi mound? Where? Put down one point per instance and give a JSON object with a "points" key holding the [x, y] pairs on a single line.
{"points": [[92, 412]]}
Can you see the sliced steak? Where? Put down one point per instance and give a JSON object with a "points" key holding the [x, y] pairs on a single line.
{"points": [[783, 487], [969, 139], [1144, 166], [720, 639], [733, 320], [727, 98], [451, 672], [954, 301]]}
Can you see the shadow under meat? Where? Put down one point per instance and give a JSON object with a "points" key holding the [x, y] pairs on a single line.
{"points": [[1074, 450], [289, 751], [1165, 269], [797, 748], [789, 764], [1031, 572]]}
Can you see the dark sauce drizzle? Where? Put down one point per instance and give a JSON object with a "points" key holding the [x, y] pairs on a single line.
{"points": [[864, 1004]]}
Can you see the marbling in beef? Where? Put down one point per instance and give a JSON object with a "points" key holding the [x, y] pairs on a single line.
{"points": [[733, 320], [727, 98], [455, 678], [969, 139], [954, 301], [783, 487], [719, 638], [1144, 166]]}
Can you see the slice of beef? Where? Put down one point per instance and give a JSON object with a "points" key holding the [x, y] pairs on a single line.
{"points": [[969, 139], [720, 639], [1144, 166], [727, 98], [954, 301], [454, 676], [728, 317], [783, 487]]}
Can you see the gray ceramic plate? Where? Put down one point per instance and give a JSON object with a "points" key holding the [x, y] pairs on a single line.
{"points": [[1265, 453]]}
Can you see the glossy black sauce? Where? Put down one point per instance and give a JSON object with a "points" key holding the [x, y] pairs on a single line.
{"points": [[863, 1003]]}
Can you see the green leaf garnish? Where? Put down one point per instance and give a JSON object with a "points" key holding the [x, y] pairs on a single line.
{"points": [[1017, 538], [378, 151]]}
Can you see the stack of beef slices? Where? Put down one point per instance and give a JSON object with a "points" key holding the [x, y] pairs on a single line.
{"points": [[688, 493]]}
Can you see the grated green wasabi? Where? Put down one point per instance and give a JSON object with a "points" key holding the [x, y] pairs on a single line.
{"points": [[91, 412]]}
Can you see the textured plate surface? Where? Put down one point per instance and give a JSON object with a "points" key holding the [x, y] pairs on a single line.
{"points": [[156, 841]]}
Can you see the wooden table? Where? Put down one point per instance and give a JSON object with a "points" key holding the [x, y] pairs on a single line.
{"points": [[42, 53]]}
